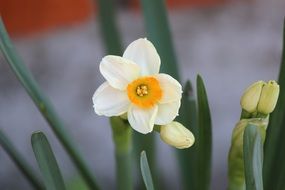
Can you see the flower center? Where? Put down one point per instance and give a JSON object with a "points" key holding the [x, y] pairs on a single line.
{"points": [[144, 92]]}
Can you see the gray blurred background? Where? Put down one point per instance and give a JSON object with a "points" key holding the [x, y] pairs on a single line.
{"points": [[231, 44]]}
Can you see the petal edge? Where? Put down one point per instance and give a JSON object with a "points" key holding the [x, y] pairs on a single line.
{"points": [[142, 120], [143, 53], [118, 71], [109, 101]]}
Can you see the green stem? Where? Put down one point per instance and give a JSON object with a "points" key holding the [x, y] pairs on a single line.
{"points": [[44, 106], [245, 115], [122, 136]]}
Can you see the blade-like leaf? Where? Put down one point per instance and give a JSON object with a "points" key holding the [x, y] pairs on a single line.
{"points": [[44, 105], [204, 140], [158, 32], [274, 166], [188, 157], [109, 29], [19, 160], [144, 142], [47, 162], [253, 158], [146, 174]]}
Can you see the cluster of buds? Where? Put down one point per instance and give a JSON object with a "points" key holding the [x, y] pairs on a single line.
{"points": [[260, 97], [257, 102]]}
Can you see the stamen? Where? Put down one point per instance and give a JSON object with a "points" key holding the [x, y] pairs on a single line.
{"points": [[142, 90]]}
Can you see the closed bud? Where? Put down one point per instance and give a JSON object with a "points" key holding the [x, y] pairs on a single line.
{"points": [[250, 98], [175, 134], [268, 98]]}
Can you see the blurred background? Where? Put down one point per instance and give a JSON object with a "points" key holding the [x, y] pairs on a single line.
{"points": [[230, 43]]}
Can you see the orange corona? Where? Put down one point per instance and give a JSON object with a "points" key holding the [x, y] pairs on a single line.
{"points": [[144, 92]]}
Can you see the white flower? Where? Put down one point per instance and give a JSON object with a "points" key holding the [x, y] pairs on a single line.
{"points": [[134, 86]]}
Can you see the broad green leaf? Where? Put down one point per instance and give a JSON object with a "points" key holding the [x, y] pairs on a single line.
{"points": [[47, 162], [274, 166], [44, 105], [188, 157], [204, 140], [122, 137], [20, 162], [253, 158], [109, 29], [146, 174]]}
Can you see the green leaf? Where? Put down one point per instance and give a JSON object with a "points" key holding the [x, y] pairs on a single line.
{"points": [[76, 183], [188, 157], [20, 162], [146, 172], [47, 162], [44, 105], [253, 158], [144, 142], [158, 32], [204, 140], [274, 166], [109, 29]]}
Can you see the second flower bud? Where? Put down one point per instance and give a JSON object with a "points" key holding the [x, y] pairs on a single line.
{"points": [[260, 97], [175, 134]]}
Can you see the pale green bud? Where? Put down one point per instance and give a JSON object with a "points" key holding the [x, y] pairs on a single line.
{"points": [[250, 98], [268, 98], [175, 134]]}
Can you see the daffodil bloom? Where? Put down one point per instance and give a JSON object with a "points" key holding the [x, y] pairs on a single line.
{"points": [[135, 86]]}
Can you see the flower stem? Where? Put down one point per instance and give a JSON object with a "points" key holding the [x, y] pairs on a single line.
{"points": [[122, 137]]}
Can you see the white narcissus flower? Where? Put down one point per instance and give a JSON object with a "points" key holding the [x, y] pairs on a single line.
{"points": [[134, 86]]}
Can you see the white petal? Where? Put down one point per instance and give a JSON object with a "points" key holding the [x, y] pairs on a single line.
{"points": [[167, 112], [171, 88], [143, 53], [142, 120], [118, 71], [109, 101]]}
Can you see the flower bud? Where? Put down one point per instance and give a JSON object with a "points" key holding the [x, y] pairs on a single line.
{"points": [[268, 98], [175, 134], [250, 97]]}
